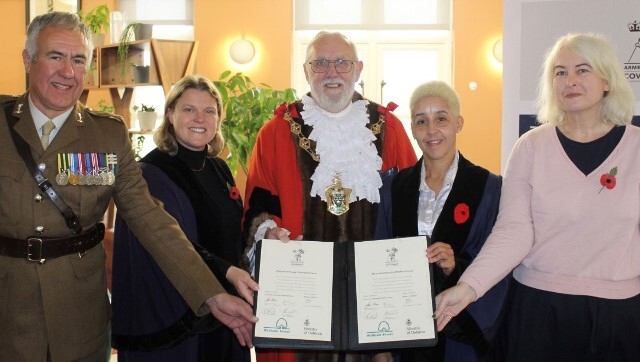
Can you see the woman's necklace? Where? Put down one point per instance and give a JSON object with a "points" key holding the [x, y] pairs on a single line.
{"points": [[204, 162]]}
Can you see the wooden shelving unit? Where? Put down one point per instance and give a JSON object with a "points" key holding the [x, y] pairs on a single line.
{"points": [[168, 61]]}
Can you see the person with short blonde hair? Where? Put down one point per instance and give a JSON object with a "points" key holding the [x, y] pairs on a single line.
{"points": [[454, 202]]}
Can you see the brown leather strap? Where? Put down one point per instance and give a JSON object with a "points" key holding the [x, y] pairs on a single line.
{"points": [[36, 248], [25, 152]]}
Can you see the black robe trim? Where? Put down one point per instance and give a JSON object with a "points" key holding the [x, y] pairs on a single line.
{"points": [[465, 191], [208, 224], [207, 216]]}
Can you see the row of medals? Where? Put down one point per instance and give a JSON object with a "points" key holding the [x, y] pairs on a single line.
{"points": [[102, 177], [100, 169]]}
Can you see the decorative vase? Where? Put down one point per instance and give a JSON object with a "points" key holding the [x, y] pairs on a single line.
{"points": [[147, 120], [117, 23], [143, 31]]}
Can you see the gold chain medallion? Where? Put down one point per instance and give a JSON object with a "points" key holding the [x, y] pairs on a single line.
{"points": [[337, 197]]}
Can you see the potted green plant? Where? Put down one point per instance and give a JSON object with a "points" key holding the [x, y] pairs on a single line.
{"points": [[132, 31], [138, 146], [96, 19], [247, 107], [123, 48], [147, 117]]}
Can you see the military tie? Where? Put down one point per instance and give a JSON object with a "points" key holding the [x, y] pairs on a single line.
{"points": [[46, 131]]}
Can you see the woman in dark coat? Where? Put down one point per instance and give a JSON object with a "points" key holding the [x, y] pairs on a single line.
{"points": [[455, 203], [151, 322]]}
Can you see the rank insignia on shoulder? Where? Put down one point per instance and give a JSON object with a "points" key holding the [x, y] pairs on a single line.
{"points": [[98, 113]]}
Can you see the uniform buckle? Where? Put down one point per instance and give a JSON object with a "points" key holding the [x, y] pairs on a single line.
{"points": [[34, 250]]}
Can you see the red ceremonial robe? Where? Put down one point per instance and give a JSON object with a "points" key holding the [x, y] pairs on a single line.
{"points": [[278, 183]]}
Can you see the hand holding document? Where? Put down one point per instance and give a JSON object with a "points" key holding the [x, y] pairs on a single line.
{"points": [[344, 296]]}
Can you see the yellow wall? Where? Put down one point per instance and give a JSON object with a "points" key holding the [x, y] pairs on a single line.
{"points": [[269, 24], [476, 27], [14, 30]]}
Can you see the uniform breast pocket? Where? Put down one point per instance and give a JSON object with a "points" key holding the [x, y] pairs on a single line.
{"points": [[11, 173], [90, 263], [89, 202]]}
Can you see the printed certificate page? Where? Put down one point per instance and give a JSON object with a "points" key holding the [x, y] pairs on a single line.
{"points": [[296, 281], [394, 298]]}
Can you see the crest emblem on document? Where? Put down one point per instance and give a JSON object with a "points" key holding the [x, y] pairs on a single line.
{"points": [[392, 259], [337, 197], [297, 255]]}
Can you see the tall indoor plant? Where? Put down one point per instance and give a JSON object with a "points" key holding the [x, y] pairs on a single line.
{"points": [[247, 107]]}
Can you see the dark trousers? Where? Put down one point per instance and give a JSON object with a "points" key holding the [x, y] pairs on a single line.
{"points": [[547, 326]]}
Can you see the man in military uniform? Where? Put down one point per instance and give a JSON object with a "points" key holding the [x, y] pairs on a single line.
{"points": [[53, 297]]}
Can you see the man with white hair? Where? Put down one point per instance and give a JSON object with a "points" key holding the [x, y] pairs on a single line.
{"points": [[316, 166]]}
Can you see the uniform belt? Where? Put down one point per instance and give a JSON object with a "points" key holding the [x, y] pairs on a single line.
{"points": [[37, 248]]}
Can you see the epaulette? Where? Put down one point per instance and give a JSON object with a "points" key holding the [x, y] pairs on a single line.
{"points": [[101, 114], [4, 98]]}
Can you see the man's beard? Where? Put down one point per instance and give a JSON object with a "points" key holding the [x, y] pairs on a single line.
{"points": [[332, 102]]}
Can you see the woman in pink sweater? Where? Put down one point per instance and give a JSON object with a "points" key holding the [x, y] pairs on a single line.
{"points": [[569, 219]]}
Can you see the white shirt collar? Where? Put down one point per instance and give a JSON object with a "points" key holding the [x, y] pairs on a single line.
{"points": [[430, 205], [39, 119], [448, 178]]}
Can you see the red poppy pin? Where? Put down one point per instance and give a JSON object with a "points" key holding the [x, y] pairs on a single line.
{"points": [[461, 213], [234, 193], [608, 180]]}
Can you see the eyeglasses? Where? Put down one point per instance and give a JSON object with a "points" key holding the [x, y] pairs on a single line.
{"points": [[322, 65]]}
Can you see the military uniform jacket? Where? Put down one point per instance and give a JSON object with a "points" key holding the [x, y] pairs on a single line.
{"points": [[62, 304]]}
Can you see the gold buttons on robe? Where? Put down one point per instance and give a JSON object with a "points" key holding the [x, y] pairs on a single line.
{"points": [[37, 198], [39, 229], [42, 167]]}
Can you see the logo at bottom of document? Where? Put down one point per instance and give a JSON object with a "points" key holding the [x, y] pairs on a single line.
{"points": [[310, 330], [413, 330], [384, 330], [280, 327]]}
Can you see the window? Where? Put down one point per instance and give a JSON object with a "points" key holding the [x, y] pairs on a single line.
{"points": [[171, 19], [402, 43]]}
